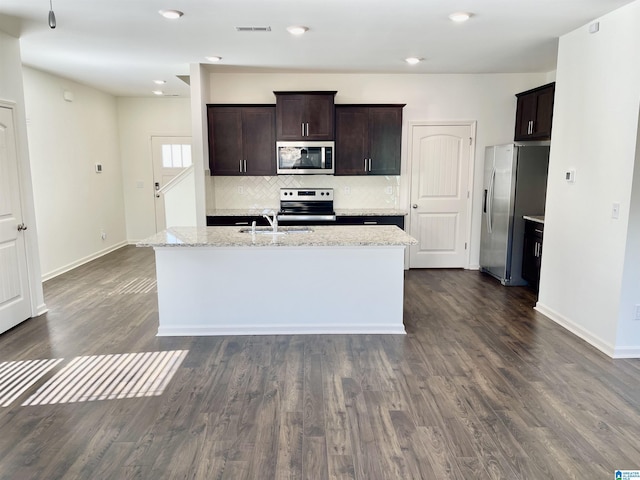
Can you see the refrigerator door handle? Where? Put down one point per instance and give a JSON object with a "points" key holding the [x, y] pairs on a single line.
{"points": [[484, 202], [490, 195]]}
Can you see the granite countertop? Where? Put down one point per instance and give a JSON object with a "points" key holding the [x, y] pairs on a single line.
{"points": [[341, 212], [320, 236], [535, 218]]}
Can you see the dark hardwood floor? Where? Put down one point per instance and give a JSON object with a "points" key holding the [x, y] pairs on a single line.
{"points": [[482, 386]]}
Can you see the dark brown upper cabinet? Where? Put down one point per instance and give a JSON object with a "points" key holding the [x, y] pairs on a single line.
{"points": [[242, 139], [305, 115], [534, 113], [368, 139]]}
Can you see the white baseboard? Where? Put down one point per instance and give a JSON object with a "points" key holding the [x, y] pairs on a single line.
{"points": [[41, 309], [605, 347], [195, 331], [82, 261]]}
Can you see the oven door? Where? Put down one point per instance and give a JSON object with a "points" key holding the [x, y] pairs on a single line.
{"points": [[305, 158], [311, 212]]}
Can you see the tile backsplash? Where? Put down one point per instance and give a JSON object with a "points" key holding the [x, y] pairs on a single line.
{"points": [[264, 192]]}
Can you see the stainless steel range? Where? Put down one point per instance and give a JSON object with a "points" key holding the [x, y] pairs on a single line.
{"points": [[306, 205]]}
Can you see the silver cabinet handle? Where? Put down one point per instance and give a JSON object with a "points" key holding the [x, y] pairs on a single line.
{"points": [[22, 227], [415, 205], [302, 126], [365, 164], [307, 125], [370, 223], [245, 166], [240, 165]]}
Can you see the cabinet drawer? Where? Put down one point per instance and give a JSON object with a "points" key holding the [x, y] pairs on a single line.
{"points": [[534, 228], [397, 220]]}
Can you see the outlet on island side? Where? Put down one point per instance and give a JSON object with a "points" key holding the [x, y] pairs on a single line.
{"points": [[637, 317]]}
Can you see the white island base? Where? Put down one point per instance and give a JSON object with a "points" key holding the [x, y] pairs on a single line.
{"points": [[280, 290]]}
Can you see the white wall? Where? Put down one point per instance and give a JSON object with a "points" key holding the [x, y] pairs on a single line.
{"points": [[11, 90], [488, 99], [595, 129], [73, 203], [628, 337], [138, 120]]}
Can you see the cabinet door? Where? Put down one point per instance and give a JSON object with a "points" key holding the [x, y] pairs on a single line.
{"points": [[534, 113], [525, 113], [319, 117], [258, 140], [290, 110], [544, 113], [385, 134], [352, 140], [305, 116], [225, 140]]}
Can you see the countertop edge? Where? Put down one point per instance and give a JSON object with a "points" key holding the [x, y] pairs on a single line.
{"points": [[534, 218], [324, 236]]}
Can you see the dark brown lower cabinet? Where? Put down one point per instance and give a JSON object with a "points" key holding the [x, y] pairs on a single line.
{"points": [[532, 254], [246, 220]]}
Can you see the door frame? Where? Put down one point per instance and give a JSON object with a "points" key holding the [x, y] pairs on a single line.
{"points": [[153, 172], [27, 204], [471, 183]]}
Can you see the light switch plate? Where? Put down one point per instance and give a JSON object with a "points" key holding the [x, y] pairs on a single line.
{"points": [[615, 210]]}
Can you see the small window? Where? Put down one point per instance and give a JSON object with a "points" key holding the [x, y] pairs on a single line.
{"points": [[176, 155]]}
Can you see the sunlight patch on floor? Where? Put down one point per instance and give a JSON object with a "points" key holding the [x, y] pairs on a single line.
{"points": [[107, 377], [137, 285], [17, 377]]}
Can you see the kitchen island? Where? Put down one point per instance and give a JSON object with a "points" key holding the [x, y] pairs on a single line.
{"points": [[331, 279]]}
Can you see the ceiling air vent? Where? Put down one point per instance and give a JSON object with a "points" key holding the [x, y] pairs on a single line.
{"points": [[253, 29]]}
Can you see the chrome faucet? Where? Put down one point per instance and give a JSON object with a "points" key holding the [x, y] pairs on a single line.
{"points": [[272, 221]]}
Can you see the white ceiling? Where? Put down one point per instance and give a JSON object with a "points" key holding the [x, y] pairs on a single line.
{"points": [[121, 46]]}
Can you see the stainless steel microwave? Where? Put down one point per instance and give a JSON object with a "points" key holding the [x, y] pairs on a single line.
{"points": [[305, 158]]}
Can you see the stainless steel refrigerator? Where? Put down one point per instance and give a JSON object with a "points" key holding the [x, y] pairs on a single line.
{"points": [[515, 184]]}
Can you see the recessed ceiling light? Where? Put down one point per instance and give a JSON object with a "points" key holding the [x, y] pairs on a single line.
{"points": [[413, 60], [171, 14], [213, 59], [159, 82], [459, 17], [297, 29], [158, 92]]}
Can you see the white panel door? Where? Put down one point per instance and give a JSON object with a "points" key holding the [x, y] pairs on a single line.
{"points": [[170, 155], [15, 304], [440, 196]]}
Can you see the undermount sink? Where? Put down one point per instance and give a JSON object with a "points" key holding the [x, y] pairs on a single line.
{"points": [[281, 230]]}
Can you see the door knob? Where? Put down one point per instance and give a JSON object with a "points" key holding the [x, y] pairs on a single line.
{"points": [[415, 205], [22, 227]]}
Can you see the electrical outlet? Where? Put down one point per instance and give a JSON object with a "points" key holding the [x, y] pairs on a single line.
{"points": [[637, 317], [240, 190], [103, 235], [388, 190], [347, 190]]}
